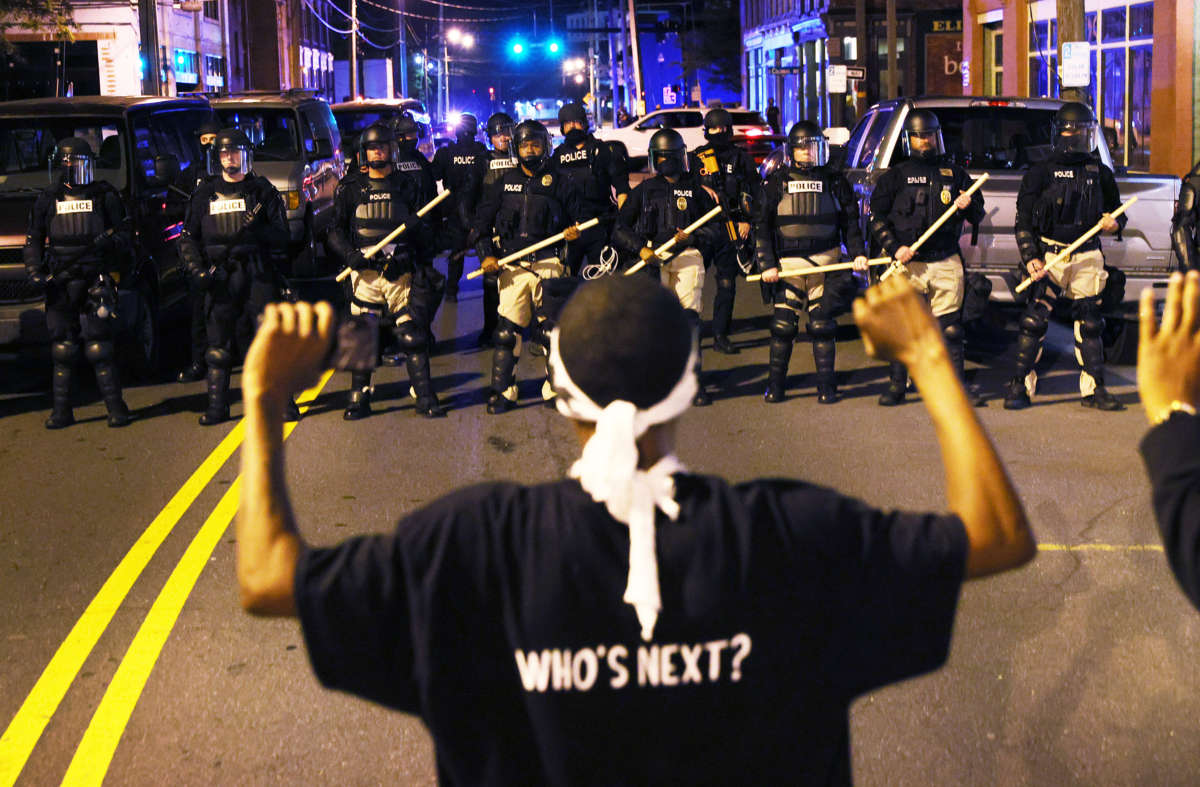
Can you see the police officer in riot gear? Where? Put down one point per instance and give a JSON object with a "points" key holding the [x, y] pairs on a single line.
{"points": [[907, 200], [499, 160], [198, 171], [367, 208], [411, 162], [1185, 224], [459, 166], [597, 173], [78, 235], [526, 204], [730, 172], [233, 231], [1059, 200], [660, 208], [807, 212]]}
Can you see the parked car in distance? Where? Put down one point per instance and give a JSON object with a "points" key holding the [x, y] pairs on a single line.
{"points": [[354, 116], [297, 146], [141, 144], [750, 131]]}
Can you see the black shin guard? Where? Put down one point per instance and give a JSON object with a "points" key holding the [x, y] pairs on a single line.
{"points": [[65, 356], [220, 361], [783, 337], [100, 356]]}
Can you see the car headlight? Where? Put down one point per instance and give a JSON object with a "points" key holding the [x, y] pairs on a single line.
{"points": [[293, 199]]}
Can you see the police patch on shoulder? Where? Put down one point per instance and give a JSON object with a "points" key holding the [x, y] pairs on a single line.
{"points": [[219, 206], [947, 172], [547, 180], [681, 203], [802, 186], [73, 206]]}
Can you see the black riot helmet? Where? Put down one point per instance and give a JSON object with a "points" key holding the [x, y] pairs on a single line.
{"points": [[468, 127], [1074, 129], [718, 118], [527, 132], [206, 129], [73, 161], [500, 125], [922, 127], [806, 146], [229, 141], [573, 113], [407, 132], [377, 135], [668, 153]]}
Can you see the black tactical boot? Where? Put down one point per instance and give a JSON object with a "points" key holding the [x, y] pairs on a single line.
{"points": [[722, 344], [498, 403], [359, 404], [897, 386], [100, 355], [824, 353], [1016, 397], [218, 397], [291, 411], [418, 375], [1101, 399]]}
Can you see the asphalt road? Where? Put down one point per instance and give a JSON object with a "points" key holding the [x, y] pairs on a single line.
{"points": [[1077, 670]]}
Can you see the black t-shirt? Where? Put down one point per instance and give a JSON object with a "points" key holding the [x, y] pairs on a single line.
{"points": [[496, 614]]}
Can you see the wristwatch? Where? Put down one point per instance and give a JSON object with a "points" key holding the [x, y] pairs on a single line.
{"points": [[1174, 407]]}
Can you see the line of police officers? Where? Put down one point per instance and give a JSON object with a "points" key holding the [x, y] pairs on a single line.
{"points": [[520, 191]]}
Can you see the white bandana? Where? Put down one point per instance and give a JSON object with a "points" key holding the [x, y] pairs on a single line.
{"points": [[607, 470]]}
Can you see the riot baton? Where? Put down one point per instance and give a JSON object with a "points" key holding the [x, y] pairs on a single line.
{"points": [[950, 211], [1065, 254], [666, 247], [837, 266], [516, 255], [371, 251]]}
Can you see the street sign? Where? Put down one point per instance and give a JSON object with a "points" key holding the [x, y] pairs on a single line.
{"points": [[1076, 64], [856, 72], [669, 96], [785, 70], [835, 79]]}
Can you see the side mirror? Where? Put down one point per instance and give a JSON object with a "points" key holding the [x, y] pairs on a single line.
{"points": [[322, 149], [166, 171]]}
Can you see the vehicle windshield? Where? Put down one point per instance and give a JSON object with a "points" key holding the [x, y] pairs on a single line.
{"points": [[747, 119], [996, 138], [272, 132], [26, 145], [352, 122]]}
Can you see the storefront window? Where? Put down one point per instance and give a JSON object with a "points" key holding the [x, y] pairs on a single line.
{"points": [[1141, 20], [1112, 105], [1139, 107], [1113, 24], [1089, 27]]}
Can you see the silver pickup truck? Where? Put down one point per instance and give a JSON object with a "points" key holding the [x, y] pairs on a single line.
{"points": [[1002, 137]]}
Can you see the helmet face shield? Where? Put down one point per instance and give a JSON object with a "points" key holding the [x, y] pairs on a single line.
{"points": [[808, 152], [671, 163], [924, 144], [531, 144], [77, 169], [234, 159], [1075, 136]]}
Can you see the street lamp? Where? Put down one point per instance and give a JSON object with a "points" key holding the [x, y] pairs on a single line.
{"points": [[459, 39]]}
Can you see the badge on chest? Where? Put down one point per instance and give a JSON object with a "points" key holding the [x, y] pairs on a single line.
{"points": [[73, 206], [805, 186], [219, 206]]}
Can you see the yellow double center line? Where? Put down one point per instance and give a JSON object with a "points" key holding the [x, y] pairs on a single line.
{"points": [[104, 732]]}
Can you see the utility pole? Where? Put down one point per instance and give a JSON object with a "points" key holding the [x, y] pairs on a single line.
{"points": [[403, 44], [892, 72], [445, 72], [1070, 28], [353, 49], [860, 52], [148, 30], [639, 99]]}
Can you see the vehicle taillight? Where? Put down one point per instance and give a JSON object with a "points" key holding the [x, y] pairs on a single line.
{"points": [[754, 132]]}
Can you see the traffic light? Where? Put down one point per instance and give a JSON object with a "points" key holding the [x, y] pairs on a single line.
{"points": [[517, 48], [553, 46]]}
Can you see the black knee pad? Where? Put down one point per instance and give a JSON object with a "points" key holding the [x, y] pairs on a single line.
{"points": [[506, 333], [821, 328], [952, 328], [64, 353], [784, 324], [1087, 310], [1091, 326], [218, 358], [98, 352], [411, 337], [693, 316], [1033, 324]]}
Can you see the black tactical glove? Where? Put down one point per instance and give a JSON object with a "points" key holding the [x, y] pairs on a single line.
{"points": [[39, 276], [356, 261], [203, 279], [399, 264]]}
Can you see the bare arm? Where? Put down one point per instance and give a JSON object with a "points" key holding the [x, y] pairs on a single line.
{"points": [[287, 354], [896, 324]]}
